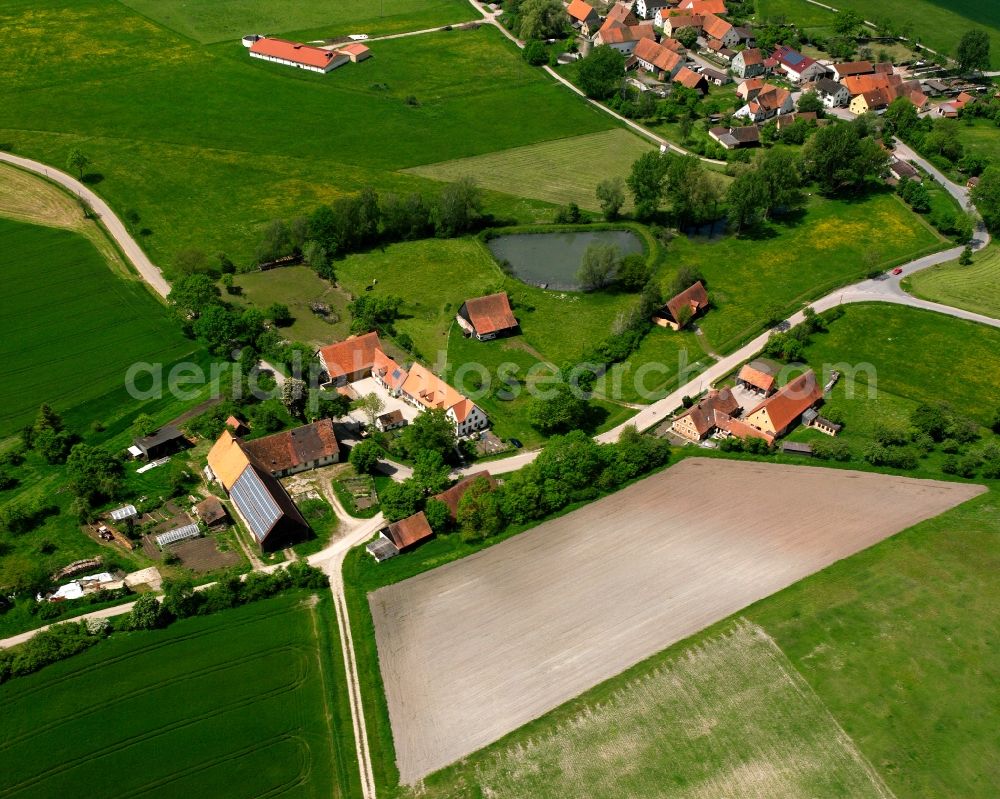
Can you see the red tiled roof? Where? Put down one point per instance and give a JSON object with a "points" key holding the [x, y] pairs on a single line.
{"points": [[685, 21], [740, 429], [854, 68], [452, 496], [705, 6], [791, 401], [755, 377], [355, 49], [712, 410], [752, 56], [409, 531], [859, 84], [293, 51], [293, 448], [688, 78], [876, 98], [715, 26], [694, 297], [390, 372], [492, 313], [658, 55], [579, 10], [352, 355]]}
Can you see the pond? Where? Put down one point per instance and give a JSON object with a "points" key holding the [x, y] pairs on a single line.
{"points": [[551, 260]]}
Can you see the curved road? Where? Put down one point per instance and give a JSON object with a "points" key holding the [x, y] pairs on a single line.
{"points": [[146, 268]]}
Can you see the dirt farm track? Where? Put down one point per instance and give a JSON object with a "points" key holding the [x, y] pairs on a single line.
{"points": [[479, 647]]}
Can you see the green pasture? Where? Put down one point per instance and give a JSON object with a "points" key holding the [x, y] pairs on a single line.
{"points": [[208, 145], [939, 24], [217, 20], [561, 171], [74, 327], [246, 702], [918, 355], [298, 287], [980, 137], [788, 263], [975, 287]]}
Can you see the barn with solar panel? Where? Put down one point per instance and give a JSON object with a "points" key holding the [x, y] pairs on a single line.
{"points": [[259, 500]]}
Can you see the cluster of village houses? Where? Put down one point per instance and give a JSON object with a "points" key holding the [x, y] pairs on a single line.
{"points": [[249, 470], [646, 32]]}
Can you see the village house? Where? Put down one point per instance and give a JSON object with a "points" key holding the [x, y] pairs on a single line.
{"points": [[675, 23], [657, 60], [583, 16], [745, 36], [852, 68], [292, 451], [701, 7], [777, 414], [400, 536], [734, 138], [797, 67], [681, 309], [691, 80], [647, 8], [237, 426], [355, 52], [350, 360], [874, 101], [260, 501], [750, 88], [488, 317], [300, 56], [390, 421], [952, 107], [452, 496], [718, 49], [359, 357], [426, 391], [748, 63], [622, 29], [859, 84], [706, 416], [832, 93], [717, 29], [770, 101], [785, 120]]}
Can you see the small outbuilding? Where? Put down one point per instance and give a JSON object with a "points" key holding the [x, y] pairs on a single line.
{"points": [[452, 496], [795, 448], [487, 317], [400, 536], [390, 421], [212, 512], [683, 308], [163, 442]]}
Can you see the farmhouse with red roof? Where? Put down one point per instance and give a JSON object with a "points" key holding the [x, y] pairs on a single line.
{"points": [[304, 56]]}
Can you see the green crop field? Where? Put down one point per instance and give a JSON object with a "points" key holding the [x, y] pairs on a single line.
{"points": [[975, 287], [937, 23], [208, 145], [217, 20], [795, 261], [247, 702], [73, 326], [561, 171]]}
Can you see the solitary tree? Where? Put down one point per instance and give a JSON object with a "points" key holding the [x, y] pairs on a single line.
{"points": [[601, 72], [611, 195], [78, 162], [646, 182], [365, 456], [599, 266], [847, 23], [986, 196], [974, 50], [372, 405], [541, 19]]}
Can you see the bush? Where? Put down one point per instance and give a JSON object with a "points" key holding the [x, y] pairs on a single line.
{"points": [[831, 450]]}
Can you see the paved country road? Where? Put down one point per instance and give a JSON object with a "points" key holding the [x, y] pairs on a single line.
{"points": [[115, 227]]}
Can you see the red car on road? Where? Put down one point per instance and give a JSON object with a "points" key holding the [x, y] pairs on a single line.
{"points": [[898, 270]]}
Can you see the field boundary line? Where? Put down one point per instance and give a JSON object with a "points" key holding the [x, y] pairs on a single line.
{"points": [[107, 218]]}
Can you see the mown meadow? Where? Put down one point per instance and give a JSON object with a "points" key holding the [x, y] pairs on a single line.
{"points": [[246, 702], [975, 287], [207, 145]]}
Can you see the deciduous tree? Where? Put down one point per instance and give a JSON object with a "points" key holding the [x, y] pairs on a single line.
{"points": [[973, 53], [611, 195]]}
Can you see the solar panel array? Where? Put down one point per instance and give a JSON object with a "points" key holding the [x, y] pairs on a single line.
{"points": [[126, 512], [180, 534], [255, 503]]}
